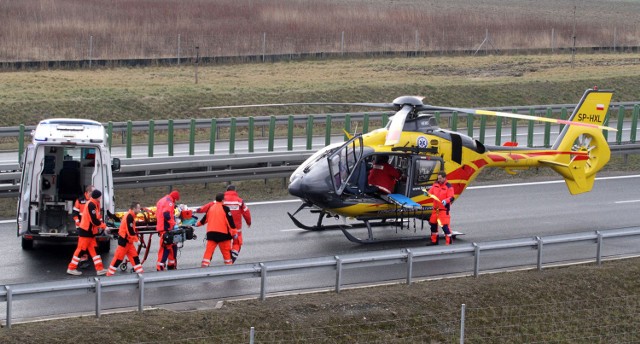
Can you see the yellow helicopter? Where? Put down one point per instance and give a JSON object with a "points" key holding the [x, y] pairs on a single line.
{"points": [[333, 182]]}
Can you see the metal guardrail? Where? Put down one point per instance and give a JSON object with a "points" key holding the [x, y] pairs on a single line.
{"points": [[141, 282], [196, 169]]}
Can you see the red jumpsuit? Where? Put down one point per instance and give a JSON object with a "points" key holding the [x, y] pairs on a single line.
{"points": [[220, 230], [127, 237], [165, 222], [90, 224], [440, 215], [384, 176]]}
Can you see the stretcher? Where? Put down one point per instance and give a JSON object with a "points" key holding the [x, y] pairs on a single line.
{"points": [[146, 227]]}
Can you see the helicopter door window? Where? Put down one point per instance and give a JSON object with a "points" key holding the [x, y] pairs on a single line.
{"points": [[426, 172], [342, 162]]}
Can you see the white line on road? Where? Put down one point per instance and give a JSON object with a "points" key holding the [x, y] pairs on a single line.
{"points": [[292, 230], [630, 201]]}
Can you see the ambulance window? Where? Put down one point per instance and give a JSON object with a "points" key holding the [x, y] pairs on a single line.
{"points": [[426, 171]]}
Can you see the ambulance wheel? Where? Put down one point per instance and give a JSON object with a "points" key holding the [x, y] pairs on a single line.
{"points": [[27, 244], [104, 246]]}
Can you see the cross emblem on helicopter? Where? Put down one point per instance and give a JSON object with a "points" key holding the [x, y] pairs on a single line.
{"points": [[333, 181]]}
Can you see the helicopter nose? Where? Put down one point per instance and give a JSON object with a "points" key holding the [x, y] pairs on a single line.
{"points": [[295, 188]]}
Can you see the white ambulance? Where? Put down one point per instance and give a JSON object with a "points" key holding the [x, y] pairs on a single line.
{"points": [[64, 157]]}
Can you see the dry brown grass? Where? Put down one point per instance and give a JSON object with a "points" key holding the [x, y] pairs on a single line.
{"points": [[61, 30]]}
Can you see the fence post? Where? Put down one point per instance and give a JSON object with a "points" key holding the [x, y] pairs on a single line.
{"points": [[634, 123], [252, 335], [540, 245], [620, 123], [140, 293], [605, 133], [290, 133], [514, 127], [470, 125], [129, 138], [365, 124], [98, 296], [563, 116], [232, 136], [310, 132], [385, 119], [263, 281], [338, 273], [454, 121], [212, 136], [272, 132], [347, 125], [110, 134], [251, 134], [483, 128], [151, 137], [547, 129], [327, 130], [599, 248], [462, 316], [409, 266], [20, 142], [170, 138], [192, 137], [9, 305], [498, 131], [532, 112], [476, 260]]}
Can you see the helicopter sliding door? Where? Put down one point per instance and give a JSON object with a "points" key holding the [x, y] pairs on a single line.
{"points": [[343, 161], [424, 173]]}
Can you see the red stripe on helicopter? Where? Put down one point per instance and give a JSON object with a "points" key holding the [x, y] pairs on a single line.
{"points": [[496, 158], [480, 163], [463, 173], [517, 156]]}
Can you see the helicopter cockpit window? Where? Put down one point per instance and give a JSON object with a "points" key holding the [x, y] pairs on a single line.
{"points": [[343, 161], [426, 172]]}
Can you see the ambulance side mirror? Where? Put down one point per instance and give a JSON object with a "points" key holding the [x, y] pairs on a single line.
{"points": [[115, 165]]}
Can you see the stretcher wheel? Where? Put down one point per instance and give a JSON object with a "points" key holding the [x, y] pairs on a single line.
{"points": [[123, 267]]}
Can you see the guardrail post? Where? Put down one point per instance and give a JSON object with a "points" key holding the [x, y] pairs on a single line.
{"points": [[634, 123], [170, 139], [232, 136], [620, 123], [409, 266], [212, 136], [129, 138], [454, 121], [563, 116], [599, 248], [338, 273], [385, 118], [514, 127], [9, 305], [309, 132], [547, 129], [327, 130], [476, 260], [110, 134], [272, 132], [20, 142], [192, 137], [483, 127], [462, 316], [605, 133], [365, 124], [530, 134], [140, 293], [252, 335], [263, 281], [347, 125], [98, 296], [251, 134], [498, 131], [470, 125], [151, 137], [290, 133], [540, 244]]}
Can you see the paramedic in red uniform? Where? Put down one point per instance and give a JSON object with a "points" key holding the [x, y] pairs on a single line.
{"points": [[442, 194], [383, 176], [90, 224], [239, 210], [220, 230], [166, 221], [78, 206], [127, 237]]}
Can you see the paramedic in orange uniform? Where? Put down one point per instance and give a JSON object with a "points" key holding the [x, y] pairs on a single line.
{"points": [[220, 231], [127, 237], [90, 224], [78, 206], [166, 221], [442, 194]]}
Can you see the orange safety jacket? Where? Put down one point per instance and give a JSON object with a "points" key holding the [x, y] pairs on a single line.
{"points": [[443, 192], [220, 224], [127, 233], [165, 216], [91, 219], [238, 209], [79, 205]]}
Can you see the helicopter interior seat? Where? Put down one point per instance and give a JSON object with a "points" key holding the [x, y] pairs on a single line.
{"points": [[358, 182]]}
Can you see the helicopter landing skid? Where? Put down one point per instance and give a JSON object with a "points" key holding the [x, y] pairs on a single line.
{"points": [[371, 240]]}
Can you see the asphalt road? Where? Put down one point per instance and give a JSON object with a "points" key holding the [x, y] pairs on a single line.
{"points": [[484, 213]]}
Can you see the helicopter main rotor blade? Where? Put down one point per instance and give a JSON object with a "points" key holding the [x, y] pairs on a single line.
{"points": [[396, 126], [378, 105], [517, 116]]}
